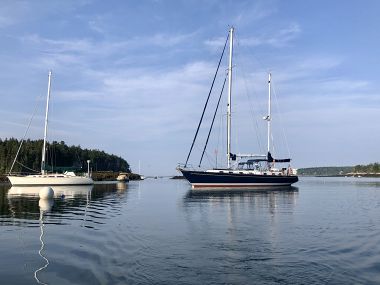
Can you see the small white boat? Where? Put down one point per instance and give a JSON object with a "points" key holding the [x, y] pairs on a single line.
{"points": [[122, 177]]}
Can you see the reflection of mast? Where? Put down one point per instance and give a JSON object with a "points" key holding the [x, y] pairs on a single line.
{"points": [[45, 205]]}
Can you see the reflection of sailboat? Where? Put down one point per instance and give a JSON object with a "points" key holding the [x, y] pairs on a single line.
{"points": [[59, 191], [221, 194], [268, 199], [44, 178]]}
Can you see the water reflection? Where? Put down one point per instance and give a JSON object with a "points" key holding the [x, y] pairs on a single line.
{"points": [[262, 198], [59, 191], [73, 214], [21, 205], [121, 186]]}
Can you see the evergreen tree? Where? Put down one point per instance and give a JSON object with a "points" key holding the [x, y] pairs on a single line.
{"points": [[60, 157]]}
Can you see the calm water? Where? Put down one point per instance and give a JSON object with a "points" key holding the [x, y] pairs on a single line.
{"points": [[324, 231]]}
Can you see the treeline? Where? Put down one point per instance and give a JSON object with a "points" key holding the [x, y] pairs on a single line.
{"points": [[325, 171], [60, 157], [370, 168]]}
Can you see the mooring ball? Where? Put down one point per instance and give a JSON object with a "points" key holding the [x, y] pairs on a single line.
{"points": [[45, 204], [46, 193]]}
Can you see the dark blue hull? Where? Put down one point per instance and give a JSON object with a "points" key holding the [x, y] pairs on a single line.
{"points": [[215, 180]]}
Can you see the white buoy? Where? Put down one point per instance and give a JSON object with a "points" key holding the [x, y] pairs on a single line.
{"points": [[46, 193], [45, 204]]}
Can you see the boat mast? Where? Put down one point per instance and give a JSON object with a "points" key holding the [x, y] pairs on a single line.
{"points": [[229, 100], [269, 117], [46, 127]]}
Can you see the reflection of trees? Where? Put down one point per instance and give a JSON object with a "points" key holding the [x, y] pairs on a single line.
{"points": [[25, 206]]}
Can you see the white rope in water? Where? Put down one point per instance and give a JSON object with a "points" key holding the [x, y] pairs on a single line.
{"points": [[41, 249]]}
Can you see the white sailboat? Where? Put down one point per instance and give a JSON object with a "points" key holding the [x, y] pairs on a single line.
{"points": [[44, 178]]}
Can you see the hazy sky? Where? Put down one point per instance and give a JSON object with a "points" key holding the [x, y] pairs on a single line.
{"points": [[131, 77]]}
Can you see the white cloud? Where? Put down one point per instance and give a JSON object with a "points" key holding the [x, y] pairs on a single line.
{"points": [[278, 39], [250, 11], [132, 92]]}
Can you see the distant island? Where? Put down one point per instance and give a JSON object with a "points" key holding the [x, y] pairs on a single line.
{"points": [[370, 170], [60, 158]]}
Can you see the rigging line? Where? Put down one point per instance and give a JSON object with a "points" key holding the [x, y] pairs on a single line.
{"points": [[208, 97], [281, 120], [219, 139], [27, 167], [23, 138], [210, 162], [213, 119], [251, 105]]}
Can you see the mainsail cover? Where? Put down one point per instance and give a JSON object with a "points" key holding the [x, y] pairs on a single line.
{"points": [[271, 159]]}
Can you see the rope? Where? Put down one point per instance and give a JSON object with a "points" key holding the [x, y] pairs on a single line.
{"points": [[23, 138], [281, 120], [256, 129], [212, 123], [27, 167]]}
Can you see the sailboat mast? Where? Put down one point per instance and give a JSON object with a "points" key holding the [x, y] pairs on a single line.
{"points": [[269, 118], [229, 100], [46, 127]]}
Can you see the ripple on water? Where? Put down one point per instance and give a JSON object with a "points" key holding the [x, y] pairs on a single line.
{"points": [[157, 232]]}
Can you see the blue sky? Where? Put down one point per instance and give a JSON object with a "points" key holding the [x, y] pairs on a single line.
{"points": [[131, 77]]}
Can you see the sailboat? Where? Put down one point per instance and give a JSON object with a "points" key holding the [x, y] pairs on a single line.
{"points": [[45, 178], [257, 171]]}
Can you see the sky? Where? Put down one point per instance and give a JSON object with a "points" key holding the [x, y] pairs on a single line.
{"points": [[131, 77]]}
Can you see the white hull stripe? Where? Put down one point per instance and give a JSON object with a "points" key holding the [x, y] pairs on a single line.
{"points": [[237, 185]]}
